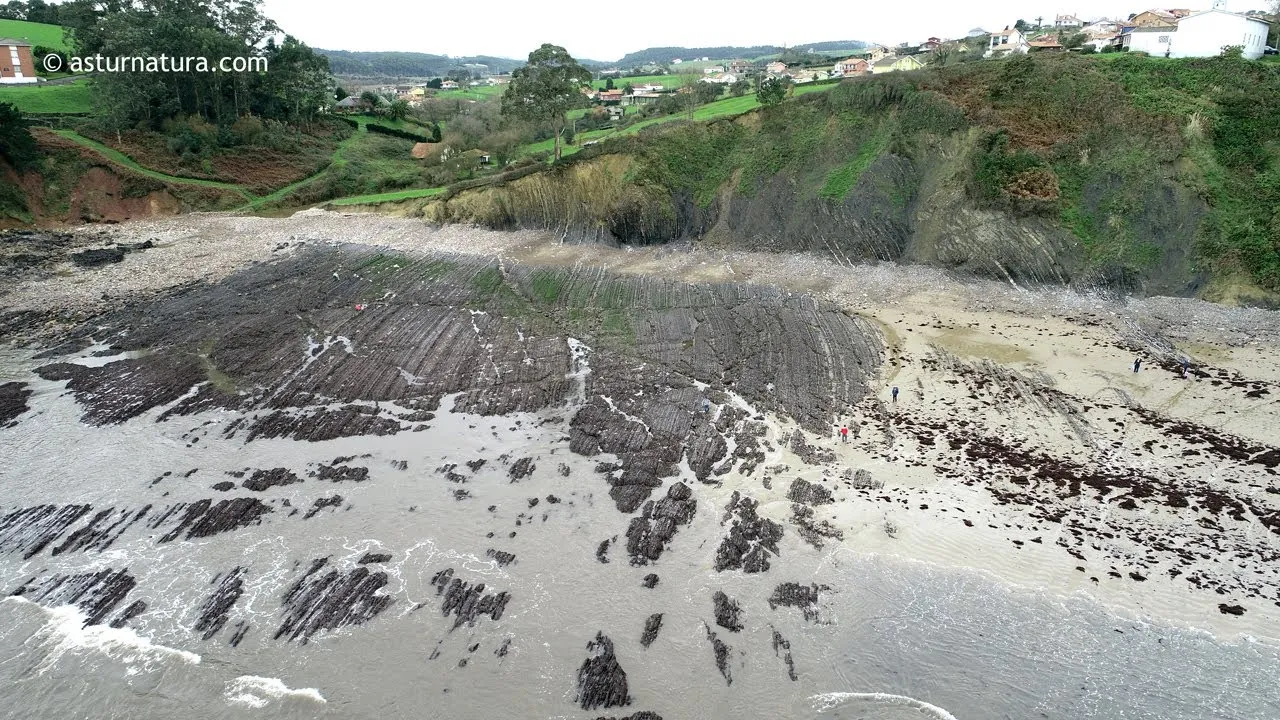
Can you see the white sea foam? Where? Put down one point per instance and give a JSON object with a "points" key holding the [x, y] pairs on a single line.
{"points": [[258, 692], [828, 701], [65, 631]]}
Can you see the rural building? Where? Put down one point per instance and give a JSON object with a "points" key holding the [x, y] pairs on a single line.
{"points": [[449, 85], [1048, 43], [932, 43], [1008, 40], [712, 69], [721, 78], [976, 32], [1150, 18], [852, 66], [776, 68], [616, 112], [1150, 39], [609, 96], [1204, 34], [348, 104], [896, 64], [641, 98], [1064, 22], [16, 65], [738, 67], [874, 53]]}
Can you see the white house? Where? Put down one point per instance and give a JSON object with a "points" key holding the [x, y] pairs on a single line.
{"points": [[449, 85], [712, 70], [1204, 34], [1063, 22], [1152, 40], [1008, 40], [721, 78]]}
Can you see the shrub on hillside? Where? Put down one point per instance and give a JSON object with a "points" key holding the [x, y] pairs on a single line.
{"points": [[395, 132], [17, 147]]}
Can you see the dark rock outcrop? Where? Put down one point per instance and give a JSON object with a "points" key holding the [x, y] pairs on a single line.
{"points": [[217, 607], [322, 503], [27, 531], [205, 518], [803, 491], [467, 601], [13, 402], [370, 558], [783, 645], [650, 581], [601, 680], [790, 594], [648, 534], [813, 531], [328, 600], [502, 558], [728, 612], [95, 594], [521, 469], [262, 480], [720, 651], [751, 539], [651, 627]]}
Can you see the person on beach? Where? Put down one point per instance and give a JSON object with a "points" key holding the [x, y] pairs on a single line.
{"points": [[1137, 365], [706, 406], [844, 434], [1186, 368], [895, 393]]}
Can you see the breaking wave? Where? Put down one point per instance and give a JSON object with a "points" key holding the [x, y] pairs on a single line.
{"points": [[257, 692], [830, 701], [64, 631]]}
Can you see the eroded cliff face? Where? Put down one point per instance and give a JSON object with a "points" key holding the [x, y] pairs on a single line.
{"points": [[915, 209]]}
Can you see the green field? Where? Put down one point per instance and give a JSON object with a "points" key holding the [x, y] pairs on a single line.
{"points": [[388, 196], [478, 93], [34, 33], [666, 81], [724, 107], [47, 99]]}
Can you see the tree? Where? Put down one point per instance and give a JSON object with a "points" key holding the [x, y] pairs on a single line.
{"points": [[628, 89], [706, 92], [939, 57], [17, 147], [546, 88], [399, 110], [690, 79], [340, 94], [772, 90], [1073, 40], [608, 83], [1021, 26], [369, 100], [740, 88], [435, 83]]}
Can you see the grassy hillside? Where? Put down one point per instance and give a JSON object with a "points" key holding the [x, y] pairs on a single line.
{"points": [[75, 97], [34, 33], [1124, 173]]}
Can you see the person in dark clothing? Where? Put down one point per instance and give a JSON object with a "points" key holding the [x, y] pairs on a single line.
{"points": [[1186, 368], [895, 393], [1137, 365]]}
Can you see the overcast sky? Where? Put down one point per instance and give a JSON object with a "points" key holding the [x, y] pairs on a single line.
{"points": [[608, 30]]}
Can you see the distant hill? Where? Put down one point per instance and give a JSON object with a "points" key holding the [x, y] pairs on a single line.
{"points": [[408, 64], [664, 55], [35, 33]]}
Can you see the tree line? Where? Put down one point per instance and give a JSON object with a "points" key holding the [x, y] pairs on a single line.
{"points": [[294, 88]]}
